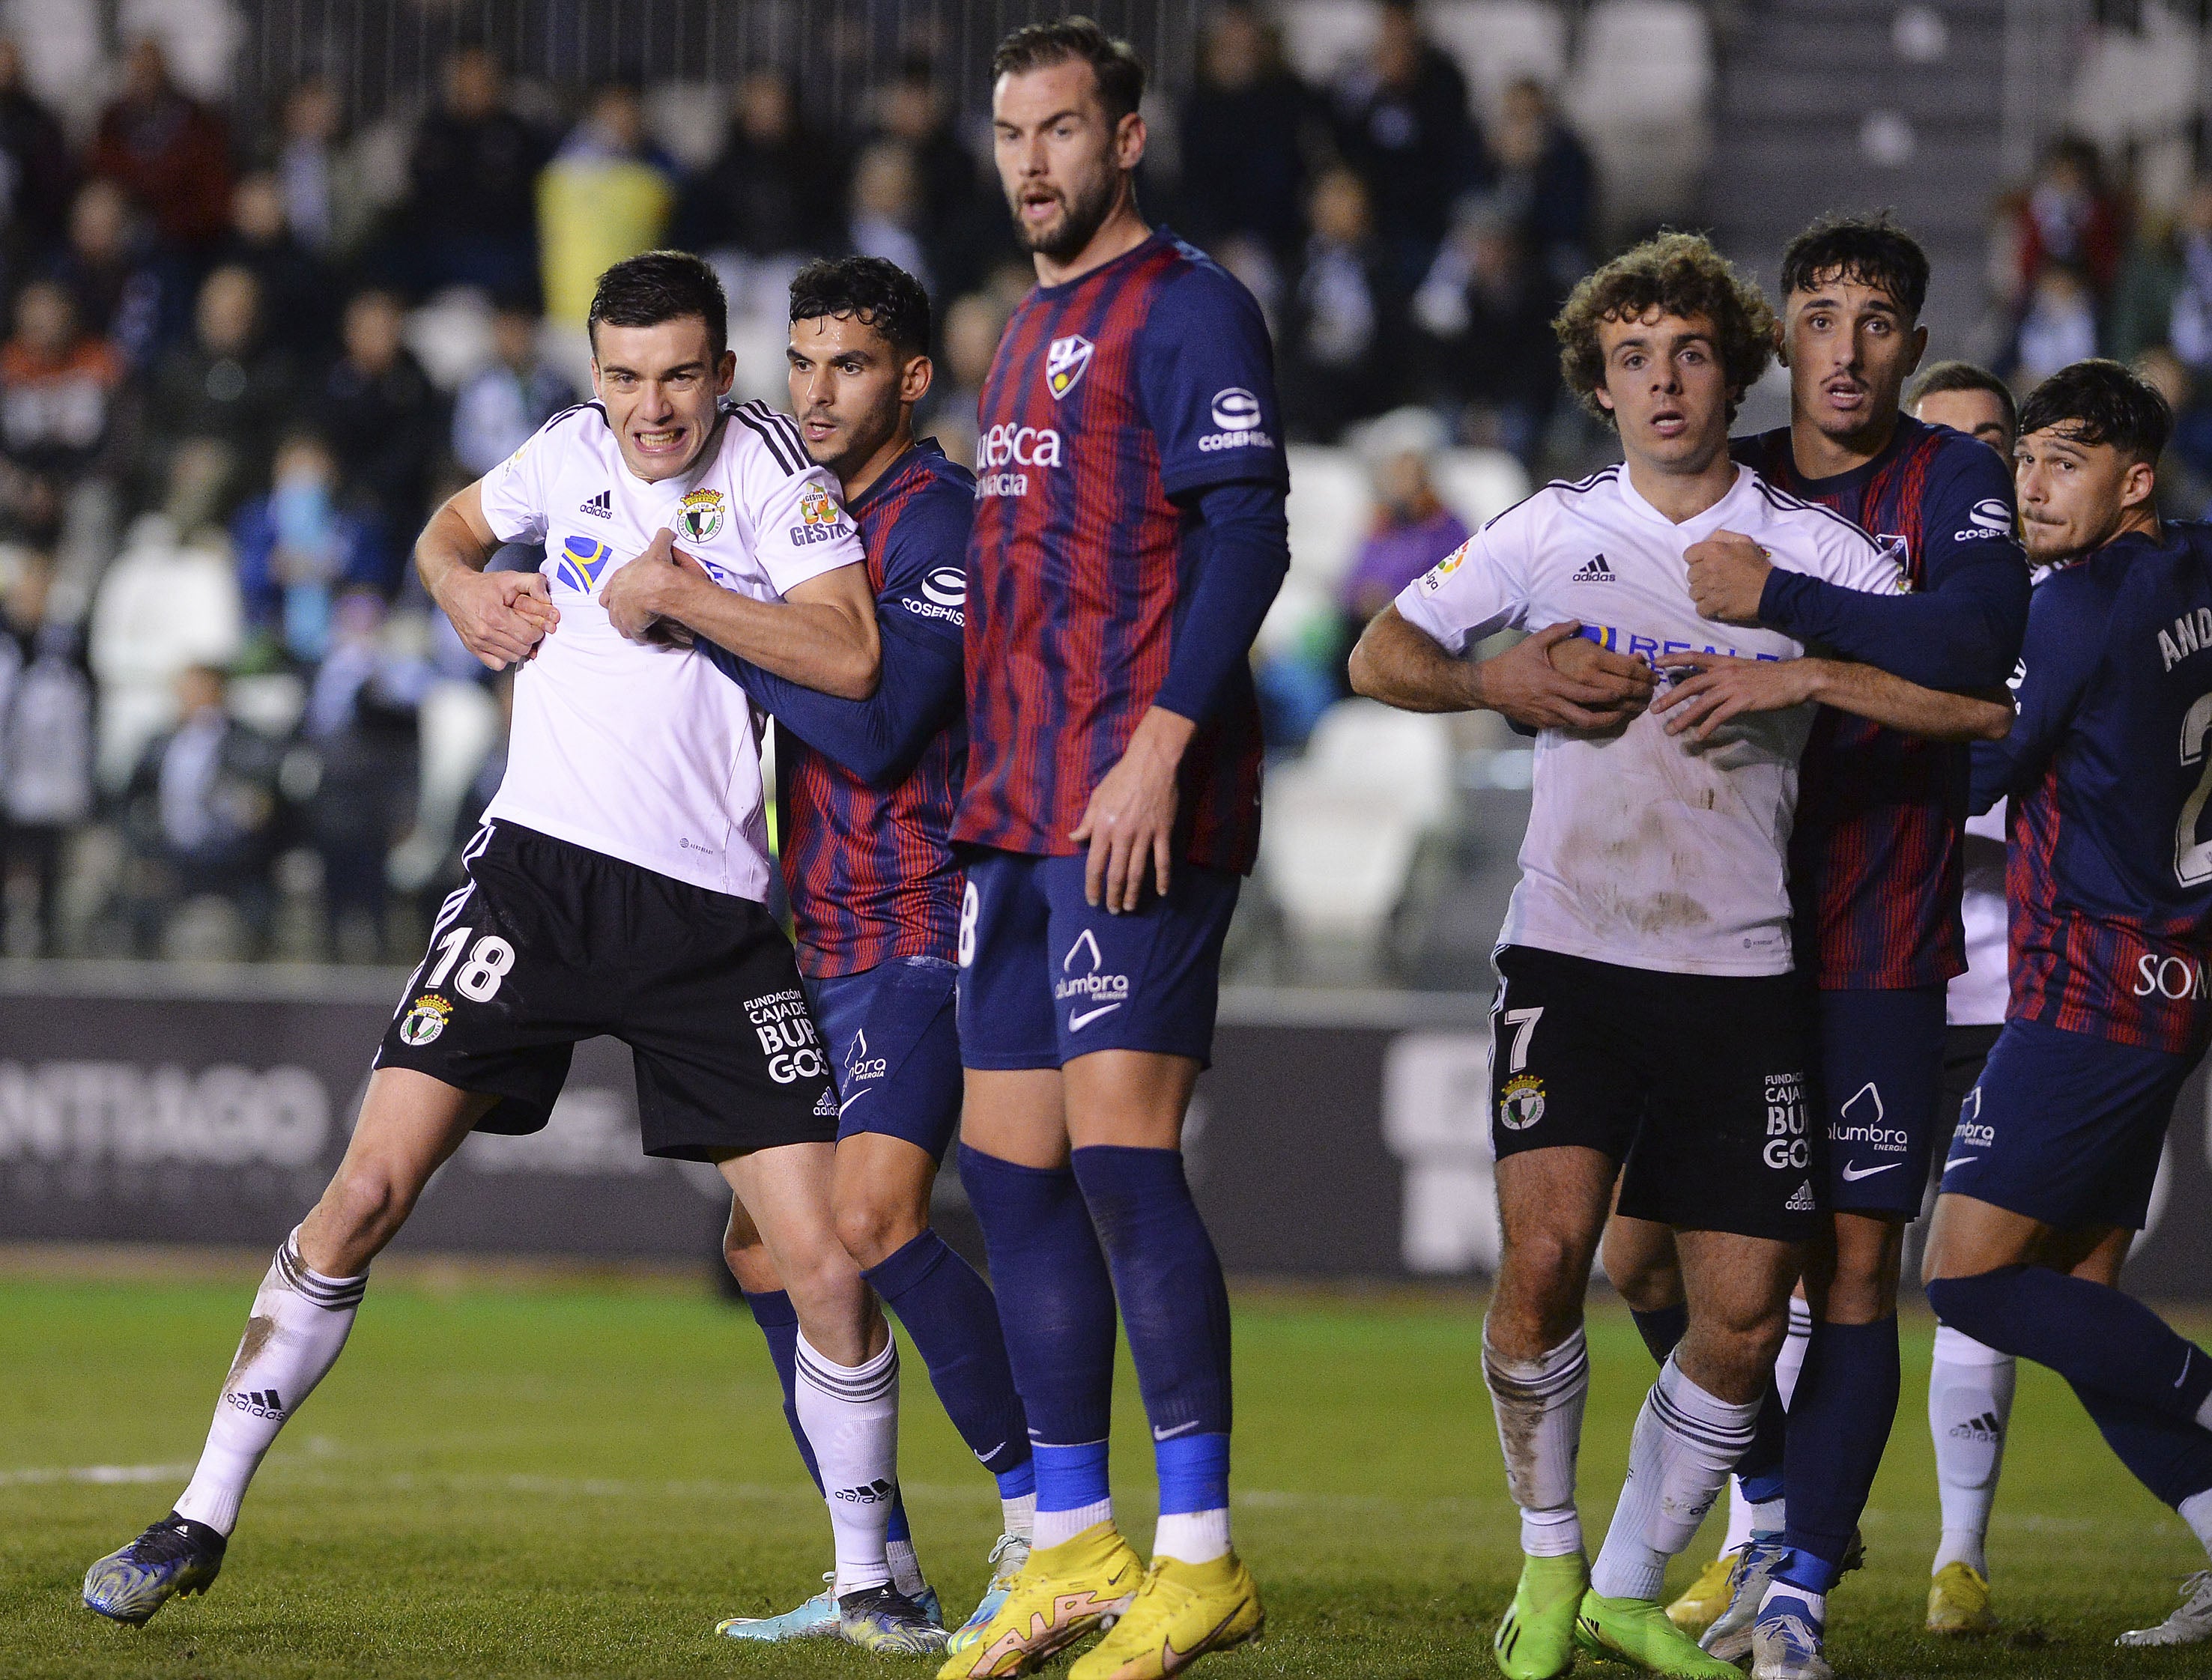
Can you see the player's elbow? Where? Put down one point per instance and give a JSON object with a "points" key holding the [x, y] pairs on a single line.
{"points": [[1364, 668], [859, 666], [1991, 723]]}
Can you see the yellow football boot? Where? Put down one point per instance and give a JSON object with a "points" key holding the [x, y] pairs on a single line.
{"points": [[1701, 1605], [1959, 1601], [1062, 1594], [1183, 1611]]}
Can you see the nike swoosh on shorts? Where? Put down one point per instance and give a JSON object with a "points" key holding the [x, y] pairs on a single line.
{"points": [[1852, 1176], [1076, 1023], [1961, 1160]]}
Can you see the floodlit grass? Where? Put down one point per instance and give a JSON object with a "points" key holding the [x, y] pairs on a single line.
{"points": [[577, 1478]]}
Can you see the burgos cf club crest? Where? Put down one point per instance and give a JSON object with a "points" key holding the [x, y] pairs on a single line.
{"points": [[422, 1022], [699, 515], [579, 565], [1065, 359]]}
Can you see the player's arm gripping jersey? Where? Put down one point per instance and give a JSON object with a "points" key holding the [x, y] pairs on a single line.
{"points": [[1106, 557], [1644, 849], [2109, 881], [644, 753], [1962, 628], [865, 788]]}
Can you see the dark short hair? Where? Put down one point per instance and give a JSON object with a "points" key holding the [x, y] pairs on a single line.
{"points": [[1963, 376], [877, 294], [1872, 250], [661, 286], [1120, 71], [2100, 402], [1675, 274]]}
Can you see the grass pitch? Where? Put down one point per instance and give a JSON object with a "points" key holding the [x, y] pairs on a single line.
{"points": [[578, 1478]]}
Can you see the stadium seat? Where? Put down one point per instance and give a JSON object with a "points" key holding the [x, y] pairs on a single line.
{"points": [[690, 118], [1640, 93], [62, 57], [1343, 821], [1480, 484], [451, 335], [1329, 509], [162, 606], [201, 37], [1497, 42], [2136, 87], [1319, 35], [458, 725]]}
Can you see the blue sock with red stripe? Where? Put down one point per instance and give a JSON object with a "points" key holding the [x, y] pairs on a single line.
{"points": [[779, 1324], [1056, 1304], [1168, 1280], [950, 1313]]}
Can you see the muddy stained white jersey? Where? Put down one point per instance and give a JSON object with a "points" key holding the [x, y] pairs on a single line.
{"points": [[649, 754], [1644, 849]]}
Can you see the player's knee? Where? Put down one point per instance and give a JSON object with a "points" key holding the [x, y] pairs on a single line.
{"points": [[368, 1202], [1647, 1285], [873, 1226]]}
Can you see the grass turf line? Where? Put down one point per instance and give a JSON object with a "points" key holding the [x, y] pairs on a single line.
{"points": [[579, 1480]]}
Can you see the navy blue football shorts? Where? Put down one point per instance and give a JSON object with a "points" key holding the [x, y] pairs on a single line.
{"points": [[894, 1048], [1045, 978], [1881, 1068], [2065, 1128]]}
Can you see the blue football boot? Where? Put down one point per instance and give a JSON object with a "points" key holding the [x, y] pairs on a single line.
{"points": [[175, 1557], [815, 1619]]}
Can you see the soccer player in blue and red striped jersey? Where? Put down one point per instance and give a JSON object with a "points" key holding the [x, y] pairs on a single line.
{"points": [[2109, 883], [868, 789], [1875, 860], [1129, 537]]}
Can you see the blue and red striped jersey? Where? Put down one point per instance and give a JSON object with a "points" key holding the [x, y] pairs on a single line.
{"points": [[1877, 858], [1113, 401], [870, 867], [2108, 878]]}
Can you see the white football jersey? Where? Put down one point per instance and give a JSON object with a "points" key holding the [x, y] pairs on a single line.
{"points": [[1642, 848], [1977, 997], [648, 753]]}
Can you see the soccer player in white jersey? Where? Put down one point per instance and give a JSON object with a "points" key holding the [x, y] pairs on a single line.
{"points": [[615, 888], [1645, 1010]]}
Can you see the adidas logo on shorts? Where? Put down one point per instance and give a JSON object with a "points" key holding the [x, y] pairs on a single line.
{"points": [[826, 1103], [600, 507], [1597, 572], [1802, 1201]]}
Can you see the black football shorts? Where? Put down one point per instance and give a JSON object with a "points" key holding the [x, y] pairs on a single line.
{"points": [[549, 944], [1700, 1084]]}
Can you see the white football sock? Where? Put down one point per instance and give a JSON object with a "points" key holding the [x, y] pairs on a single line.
{"points": [[1192, 1537], [1018, 1517], [298, 1324], [1790, 1360], [1686, 1443], [2196, 1512], [1970, 1390], [1052, 1528], [1539, 1406], [1740, 1517], [850, 1415]]}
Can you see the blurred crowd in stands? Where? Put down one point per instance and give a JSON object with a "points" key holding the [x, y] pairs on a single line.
{"points": [[246, 353]]}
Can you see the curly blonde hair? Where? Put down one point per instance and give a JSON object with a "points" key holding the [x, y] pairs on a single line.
{"points": [[1673, 274]]}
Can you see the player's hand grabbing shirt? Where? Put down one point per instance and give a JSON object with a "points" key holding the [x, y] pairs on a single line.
{"points": [[649, 753], [1644, 849]]}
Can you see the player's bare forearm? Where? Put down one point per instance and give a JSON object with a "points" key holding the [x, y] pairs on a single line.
{"points": [[501, 616], [822, 635], [1935, 714], [1130, 818], [1400, 666]]}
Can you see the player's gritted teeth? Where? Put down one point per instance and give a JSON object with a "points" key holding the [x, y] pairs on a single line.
{"points": [[663, 440]]}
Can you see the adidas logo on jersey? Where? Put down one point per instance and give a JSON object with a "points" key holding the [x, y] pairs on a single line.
{"points": [[1987, 1427], [259, 1402], [600, 507], [1597, 572], [1802, 1201]]}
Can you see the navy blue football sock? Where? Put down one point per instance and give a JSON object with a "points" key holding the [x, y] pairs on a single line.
{"points": [[1839, 1423], [1168, 1280], [954, 1321], [779, 1324], [2095, 1337], [1056, 1305], [1661, 1327], [1762, 1470], [2173, 1460]]}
